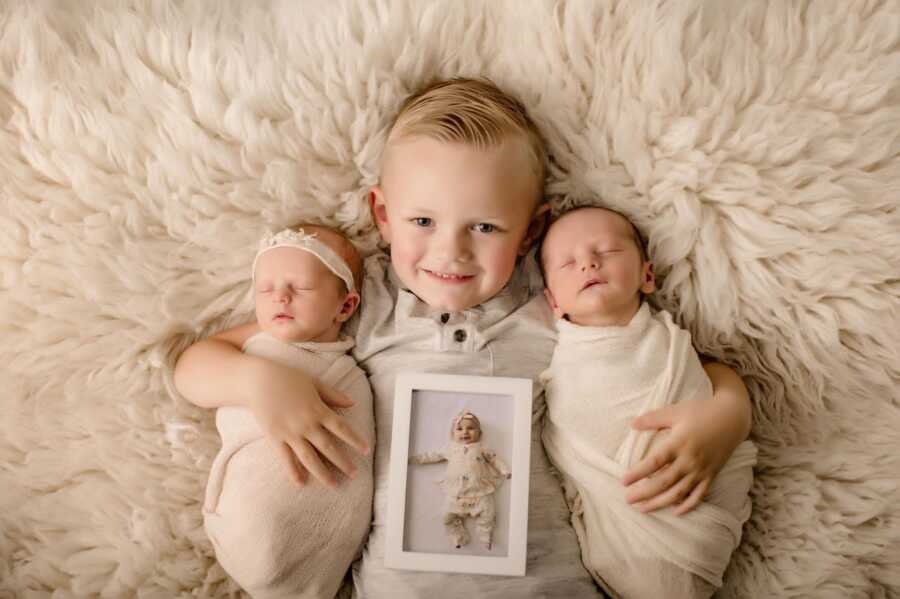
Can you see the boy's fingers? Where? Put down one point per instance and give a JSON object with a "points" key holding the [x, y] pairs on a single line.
{"points": [[657, 459], [323, 442], [654, 419], [309, 457], [673, 495], [343, 431], [334, 398], [653, 485], [693, 499], [295, 470]]}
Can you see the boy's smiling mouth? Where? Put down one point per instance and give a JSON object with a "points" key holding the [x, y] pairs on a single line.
{"points": [[448, 277]]}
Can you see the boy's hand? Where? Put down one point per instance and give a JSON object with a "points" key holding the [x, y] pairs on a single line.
{"points": [[702, 436], [291, 409]]}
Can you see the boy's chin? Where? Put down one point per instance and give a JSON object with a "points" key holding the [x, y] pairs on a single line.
{"points": [[446, 303]]}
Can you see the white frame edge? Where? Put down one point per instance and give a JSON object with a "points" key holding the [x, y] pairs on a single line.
{"points": [[513, 564]]}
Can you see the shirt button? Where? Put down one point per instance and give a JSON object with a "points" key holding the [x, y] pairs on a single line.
{"points": [[445, 317], [459, 335]]}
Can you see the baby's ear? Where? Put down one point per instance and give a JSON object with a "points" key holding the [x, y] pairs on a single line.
{"points": [[351, 303], [557, 312], [648, 279]]}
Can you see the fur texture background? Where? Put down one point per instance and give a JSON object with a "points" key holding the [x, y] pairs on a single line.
{"points": [[145, 146]]}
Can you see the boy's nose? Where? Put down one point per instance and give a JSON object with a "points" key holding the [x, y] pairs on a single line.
{"points": [[454, 247]]}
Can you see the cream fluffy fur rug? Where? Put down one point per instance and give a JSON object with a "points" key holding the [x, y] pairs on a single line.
{"points": [[145, 145]]}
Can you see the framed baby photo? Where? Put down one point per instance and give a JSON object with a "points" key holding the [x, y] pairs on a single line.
{"points": [[459, 474]]}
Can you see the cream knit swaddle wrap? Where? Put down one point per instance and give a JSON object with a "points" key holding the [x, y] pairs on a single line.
{"points": [[274, 538], [598, 380]]}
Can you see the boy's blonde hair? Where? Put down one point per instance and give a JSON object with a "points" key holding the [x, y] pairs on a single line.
{"points": [[470, 111]]}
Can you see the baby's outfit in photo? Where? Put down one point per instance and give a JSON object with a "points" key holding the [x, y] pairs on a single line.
{"points": [[274, 538], [472, 478], [598, 380]]}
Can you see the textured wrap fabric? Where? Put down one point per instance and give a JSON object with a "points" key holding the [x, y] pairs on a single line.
{"points": [[273, 538], [600, 378], [509, 335]]}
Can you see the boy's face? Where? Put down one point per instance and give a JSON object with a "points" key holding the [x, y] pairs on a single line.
{"points": [[593, 268], [298, 298], [466, 431], [456, 217]]}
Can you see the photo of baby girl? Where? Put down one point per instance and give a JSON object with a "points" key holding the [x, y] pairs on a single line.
{"points": [[473, 476]]}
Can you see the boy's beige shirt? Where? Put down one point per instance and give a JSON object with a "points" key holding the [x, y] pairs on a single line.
{"points": [[509, 335]]}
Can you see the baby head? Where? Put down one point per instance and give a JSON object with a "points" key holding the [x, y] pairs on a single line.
{"points": [[461, 192], [595, 267], [466, 428], [306, 283]]}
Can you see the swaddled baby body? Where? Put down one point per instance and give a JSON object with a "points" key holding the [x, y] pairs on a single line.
{"points": [[615, 359], [276, 539]]}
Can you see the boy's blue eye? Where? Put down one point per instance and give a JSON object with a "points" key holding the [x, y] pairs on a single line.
{"points": [[485, 228], [422, 221]]}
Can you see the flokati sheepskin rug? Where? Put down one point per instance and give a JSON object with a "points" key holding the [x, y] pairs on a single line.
{"points": [[145, 146]]}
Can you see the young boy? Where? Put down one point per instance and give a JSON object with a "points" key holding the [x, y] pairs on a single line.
{"points": [[614, 359], [460, 203], [306, 285]]}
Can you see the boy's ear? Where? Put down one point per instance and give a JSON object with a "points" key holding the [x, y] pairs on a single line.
{"points": [[351, 303], [379, 212], [535, 228], [557, 312], [648, 279]]}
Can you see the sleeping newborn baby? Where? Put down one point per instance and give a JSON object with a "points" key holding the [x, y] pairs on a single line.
{"points": [[272, 537], [615, 359]]}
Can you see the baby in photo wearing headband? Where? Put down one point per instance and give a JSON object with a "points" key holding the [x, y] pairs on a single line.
{"points": [[273, 537], [473, 475]]}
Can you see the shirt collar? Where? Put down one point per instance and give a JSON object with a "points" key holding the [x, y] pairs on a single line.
{"points": [[513, 295]]}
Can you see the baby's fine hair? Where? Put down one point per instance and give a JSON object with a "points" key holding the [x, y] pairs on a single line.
{"points": [[636, 235], [341, 245], [470, 111]]}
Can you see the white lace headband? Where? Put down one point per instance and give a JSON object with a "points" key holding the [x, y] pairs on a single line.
{"points": [[308, 243], [464, 415]]}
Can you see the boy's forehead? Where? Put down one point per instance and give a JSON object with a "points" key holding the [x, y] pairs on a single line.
{"points": [[430, 169]]}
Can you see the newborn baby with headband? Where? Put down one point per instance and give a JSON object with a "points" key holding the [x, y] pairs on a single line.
{"points": [[274, 538]]}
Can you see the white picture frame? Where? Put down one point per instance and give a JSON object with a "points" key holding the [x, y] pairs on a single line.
{"points": [[425, 406]]}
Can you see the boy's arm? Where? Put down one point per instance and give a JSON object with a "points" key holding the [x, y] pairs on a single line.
{"points": [[703, 435], [288, 404], [214, 372]]}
